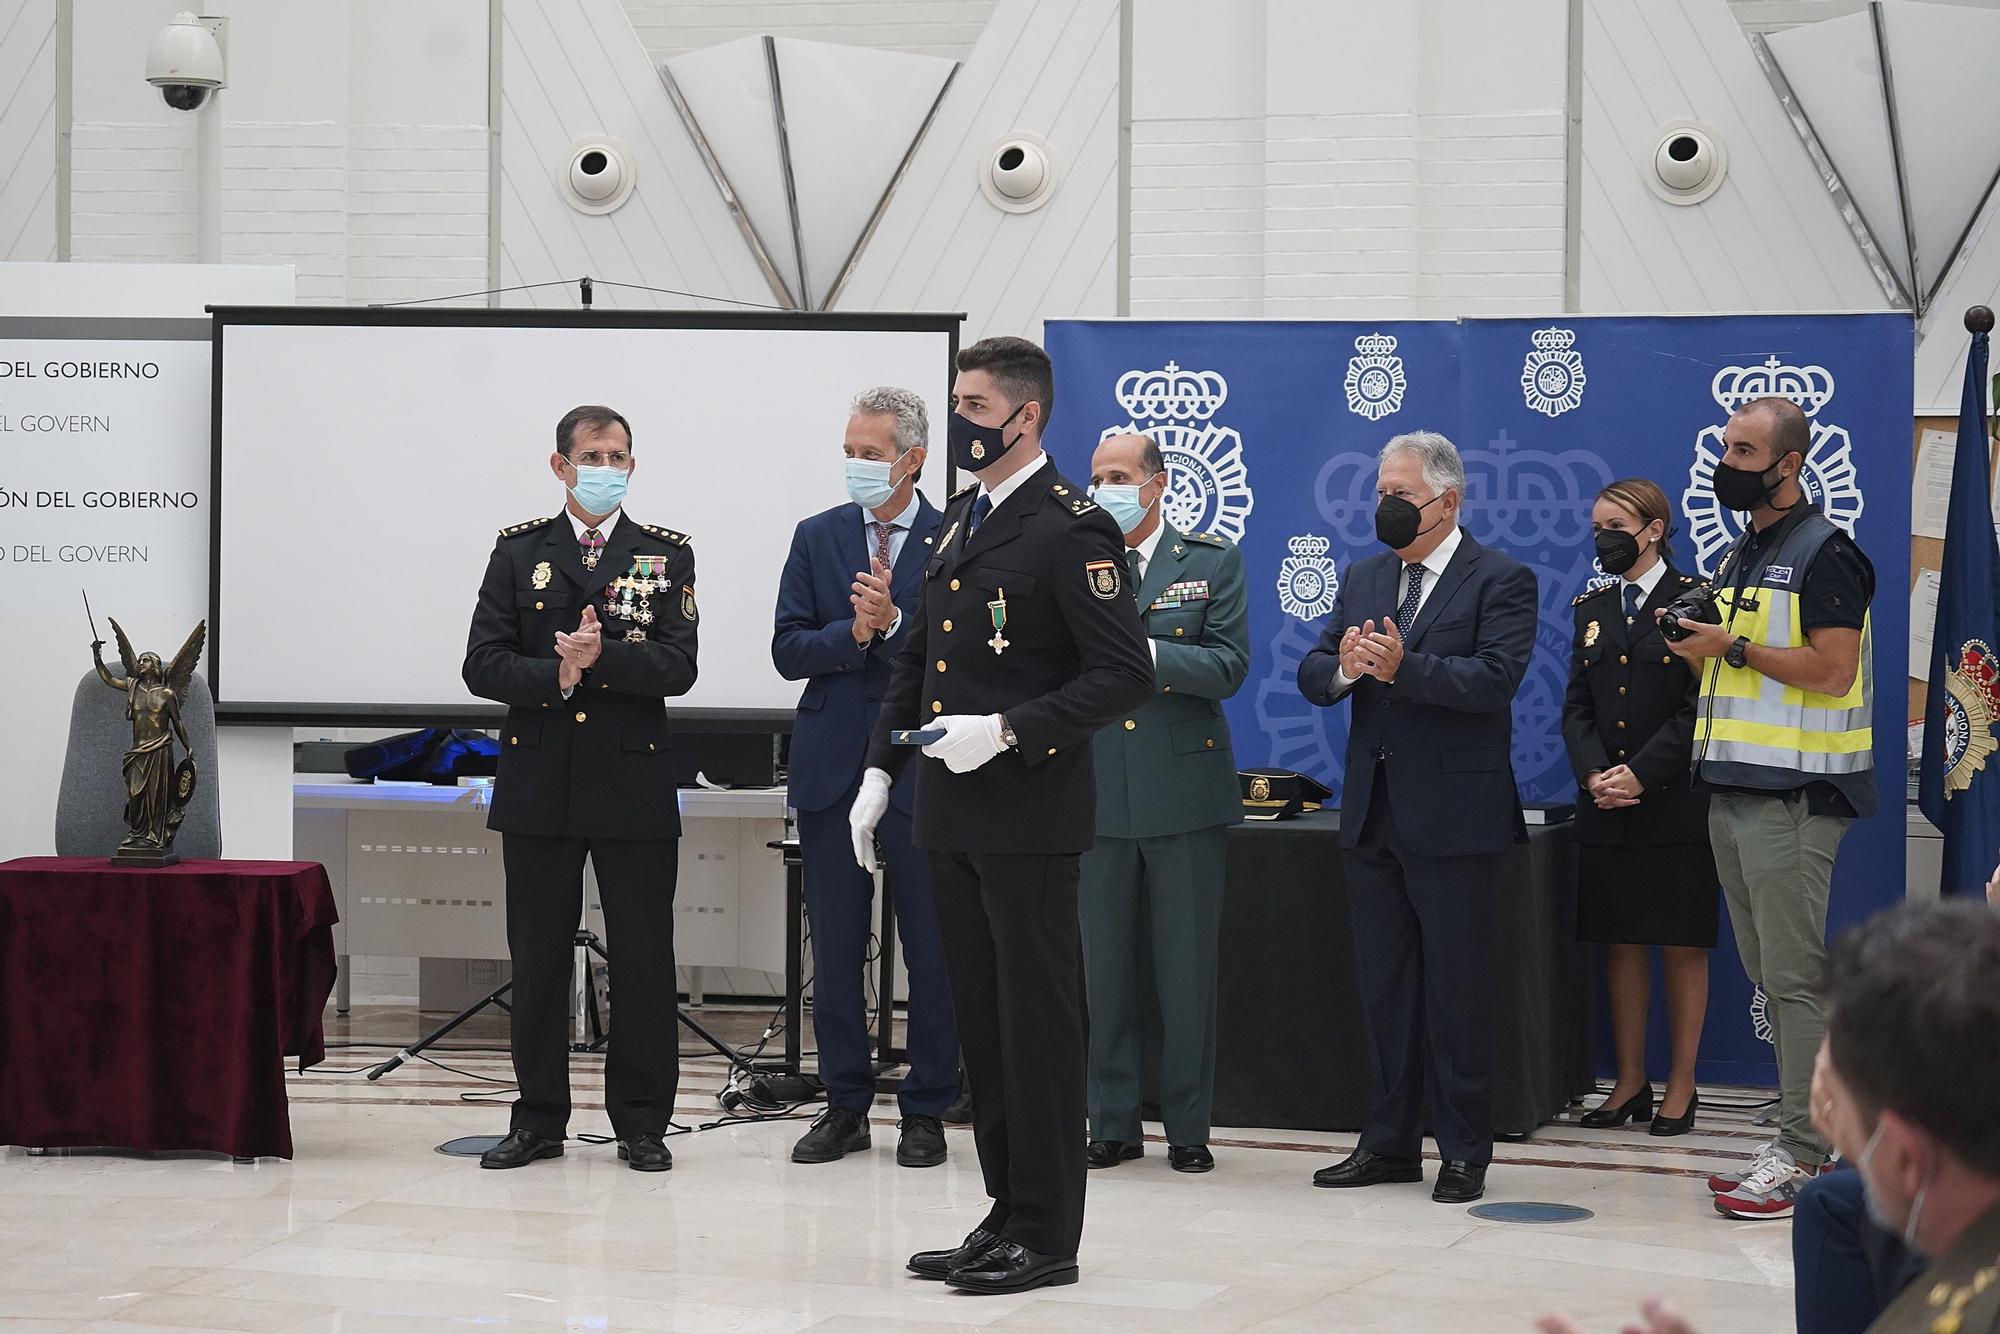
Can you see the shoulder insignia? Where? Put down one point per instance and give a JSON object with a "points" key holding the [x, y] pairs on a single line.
{"points": [[667, 533], [972, 485], [1589, 593], [1207, 539], [528, 527], [1688, 581], [1080, 505]]}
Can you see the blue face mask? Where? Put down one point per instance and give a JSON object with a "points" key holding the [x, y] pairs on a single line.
{"points": [[1872, 1203], [870, 482], [1122, 503], [600, 490]]}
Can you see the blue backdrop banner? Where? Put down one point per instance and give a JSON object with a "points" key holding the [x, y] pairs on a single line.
{"points": [[1271, 431]]}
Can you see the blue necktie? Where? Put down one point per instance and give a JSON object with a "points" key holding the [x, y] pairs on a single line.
{"points": [[982, 506], [1633, 597], [1406, 615]]}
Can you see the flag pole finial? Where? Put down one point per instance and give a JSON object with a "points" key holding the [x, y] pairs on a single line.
{"points": [[1979, 319]]}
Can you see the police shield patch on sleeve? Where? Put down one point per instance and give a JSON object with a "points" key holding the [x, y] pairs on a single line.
{"points": [[687, 602], [1103, 577]]}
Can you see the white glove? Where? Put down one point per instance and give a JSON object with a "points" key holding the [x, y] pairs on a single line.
{"points": [[969, 740], [870, 805]]}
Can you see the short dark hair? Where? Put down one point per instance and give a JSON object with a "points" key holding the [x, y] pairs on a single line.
{"points": [[1914, 1019], [593, 417], [1150, 457], [1018, 367], [1791, 432]]}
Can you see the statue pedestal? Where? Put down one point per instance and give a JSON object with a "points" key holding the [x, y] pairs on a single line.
{"points": [[145, 858]]}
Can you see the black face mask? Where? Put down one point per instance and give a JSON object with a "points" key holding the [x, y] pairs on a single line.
{"points": [[1616, 552], [976, 448], [1396, 521], [1741, 489]]}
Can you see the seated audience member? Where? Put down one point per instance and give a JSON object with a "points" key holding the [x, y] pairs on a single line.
{"points": [[1906, 1089]]}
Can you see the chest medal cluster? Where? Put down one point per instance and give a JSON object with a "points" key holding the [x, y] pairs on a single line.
{"points": [[629, 597]]}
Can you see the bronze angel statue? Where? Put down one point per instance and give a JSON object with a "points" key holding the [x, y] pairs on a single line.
{"points": [[156, 790]]}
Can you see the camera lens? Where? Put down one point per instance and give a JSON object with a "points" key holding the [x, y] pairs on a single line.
{"points": [[183, 96]]}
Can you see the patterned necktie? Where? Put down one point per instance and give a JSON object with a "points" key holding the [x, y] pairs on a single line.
{"points": [[591, 544], [1633, 597], [882, 531], [981, 507], [1413, 592]]}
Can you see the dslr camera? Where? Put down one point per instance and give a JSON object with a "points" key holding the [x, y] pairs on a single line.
{"points": [[1696, 606]]}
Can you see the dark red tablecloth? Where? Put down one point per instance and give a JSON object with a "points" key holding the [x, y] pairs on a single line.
{"points": [[153, 1009]]}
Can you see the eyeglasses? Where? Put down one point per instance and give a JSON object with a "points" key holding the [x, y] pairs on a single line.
{"points": [[591, 458]]}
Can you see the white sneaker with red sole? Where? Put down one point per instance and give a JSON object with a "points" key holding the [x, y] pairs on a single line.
{"points": [[1724, 1182], [1770, 1190]]}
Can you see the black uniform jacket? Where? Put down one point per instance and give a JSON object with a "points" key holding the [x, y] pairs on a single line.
{"points": [[1074, 659], [598, 764], [1630, 701]]}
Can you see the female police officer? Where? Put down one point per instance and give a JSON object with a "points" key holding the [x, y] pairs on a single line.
{"points": [[1645, 873]]}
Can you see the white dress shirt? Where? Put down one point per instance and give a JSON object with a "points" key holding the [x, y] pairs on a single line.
{"points": [[1646, 582], [1434, 567], [1146, 550], [604, 528], [1007, 488]]}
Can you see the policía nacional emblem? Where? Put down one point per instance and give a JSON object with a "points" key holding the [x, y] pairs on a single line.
{"points": [[1590, 633], [1307, 580], [1260, 788], [540, 578], [1552, 377], [1103, 578], [1375, 380], [978, 450], [1208, 482], [687, 603], [1971, 707]]}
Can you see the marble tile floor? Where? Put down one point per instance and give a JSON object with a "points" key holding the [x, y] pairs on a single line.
{"points": [[370, 1229]]}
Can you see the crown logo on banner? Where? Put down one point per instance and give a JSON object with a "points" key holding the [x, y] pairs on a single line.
{"points": [[1808, 386], [1375, 380], [1171, 394], [1307, 581], [1552, 377]]}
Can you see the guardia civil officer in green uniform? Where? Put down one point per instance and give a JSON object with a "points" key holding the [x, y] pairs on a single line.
{"points": [[1166, 796], [1026, 640], [585, 627]]}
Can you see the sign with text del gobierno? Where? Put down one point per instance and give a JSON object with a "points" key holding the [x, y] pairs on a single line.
{"points": [[1273, 427]]}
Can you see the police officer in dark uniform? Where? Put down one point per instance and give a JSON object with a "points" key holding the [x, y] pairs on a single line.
{"points": [[585, 626], [1645, 872], [1026, 641]]}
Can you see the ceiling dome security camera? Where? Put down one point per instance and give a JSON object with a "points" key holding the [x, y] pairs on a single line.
{"points": [[1018, 174], [185, 63], [1687, 163], [598, 176]]}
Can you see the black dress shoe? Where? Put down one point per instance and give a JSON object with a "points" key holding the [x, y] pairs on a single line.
{"points": [[922, 1143], [520, 1148], [1664, 1126], [1190, 1158], [938, 1264], [838, 1132], [1365, 1167], [646, 1153], [1009, 1266], [1111, 1152], [1637, 1108], [1459, 1182]]}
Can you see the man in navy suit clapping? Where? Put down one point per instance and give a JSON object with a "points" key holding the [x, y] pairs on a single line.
{"points": [[852, 575], [1429, 639]]}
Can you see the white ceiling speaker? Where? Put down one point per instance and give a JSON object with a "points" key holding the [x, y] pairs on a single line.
{"points": [[1688, 162], [598, 176], [1018, 174]]}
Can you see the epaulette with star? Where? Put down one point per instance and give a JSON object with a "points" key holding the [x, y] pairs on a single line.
{"points": [[972, 485], [1207, 539], [668, 534], [1589, 593], [530, 526]]}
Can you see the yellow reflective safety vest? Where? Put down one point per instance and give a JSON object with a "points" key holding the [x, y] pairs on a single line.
{"points": [[1755, 731]]}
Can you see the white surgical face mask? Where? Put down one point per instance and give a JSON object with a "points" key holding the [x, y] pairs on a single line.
{"points": [[1122, 503], [870, 482], [1872, 1200]]}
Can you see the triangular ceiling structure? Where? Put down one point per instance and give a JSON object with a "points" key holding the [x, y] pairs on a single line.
{"points": [[806, 141], [1889, 96]]}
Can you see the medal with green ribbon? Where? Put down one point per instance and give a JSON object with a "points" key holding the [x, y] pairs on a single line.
{"points": [[999, 609]]}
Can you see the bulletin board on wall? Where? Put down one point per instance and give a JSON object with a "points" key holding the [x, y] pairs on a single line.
{"points": [[1930, 485]]}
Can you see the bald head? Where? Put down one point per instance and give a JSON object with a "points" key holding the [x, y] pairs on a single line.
{"points": [[1778, 424], [1136, 453]]}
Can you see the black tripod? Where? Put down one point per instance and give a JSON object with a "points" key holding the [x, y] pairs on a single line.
{"points": [[584, 940]]}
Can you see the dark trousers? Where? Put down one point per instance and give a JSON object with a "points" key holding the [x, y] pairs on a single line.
{"points": [[1422, 933], [1154, 901], [840, 899], [1847, 1270], [635, 881], [1011, 948]]}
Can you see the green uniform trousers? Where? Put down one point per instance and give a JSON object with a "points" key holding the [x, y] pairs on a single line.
{"points": [[1158, 899]]}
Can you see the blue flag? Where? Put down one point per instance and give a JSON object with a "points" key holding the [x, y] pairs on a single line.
{"points": [[1959, 784]]}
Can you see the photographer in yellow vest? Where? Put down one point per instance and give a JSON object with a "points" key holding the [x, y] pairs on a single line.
{"points": [[1783, 741]]}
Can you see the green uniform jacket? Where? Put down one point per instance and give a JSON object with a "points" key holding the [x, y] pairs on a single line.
{"points": [[1958, 1294], [1168, 768]]}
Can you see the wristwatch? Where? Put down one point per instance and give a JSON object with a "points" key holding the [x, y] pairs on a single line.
{"points": [[1007, 737], [1738, 654]]}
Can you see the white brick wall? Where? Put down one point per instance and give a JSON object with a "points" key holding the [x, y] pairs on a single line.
{"points": [[926, 27], [366, 213]]}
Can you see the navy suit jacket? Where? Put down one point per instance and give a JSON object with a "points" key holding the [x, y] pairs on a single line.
{"points": [[1443, 732], [813, 643]]}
